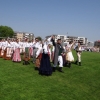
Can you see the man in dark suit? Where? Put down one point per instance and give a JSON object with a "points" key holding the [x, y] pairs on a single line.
{"points": [[58, 53]]}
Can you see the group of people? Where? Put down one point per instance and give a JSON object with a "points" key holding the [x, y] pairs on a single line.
{"points": [[42, 53]]}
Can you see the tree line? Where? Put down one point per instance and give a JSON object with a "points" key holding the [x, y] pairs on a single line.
{"points": [[6, 31]]}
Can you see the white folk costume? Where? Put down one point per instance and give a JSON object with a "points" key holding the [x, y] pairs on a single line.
{"points": [[69, 55], [22, 49], [9, 52], [49, 44], [3, 47], [78, 52], [30, 49], [26, 54], [36, 46], [0, 47], [12, 45]]}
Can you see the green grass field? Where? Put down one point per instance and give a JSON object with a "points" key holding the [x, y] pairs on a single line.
{"points": [[20, 82]]}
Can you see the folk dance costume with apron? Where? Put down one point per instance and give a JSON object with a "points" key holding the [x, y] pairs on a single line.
{"points": [[0, 48], [38, 57], [35, 49], [16, 55], [22, 48], [50, 48], [3, 47], [45, 65], [64, 57], [26, 54], [31, 49], [8, 54], [12, 47], [52, 53], [69, 55], [78, 51]]}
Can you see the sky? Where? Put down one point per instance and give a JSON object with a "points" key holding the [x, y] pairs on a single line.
{"points": [[46, 17]]}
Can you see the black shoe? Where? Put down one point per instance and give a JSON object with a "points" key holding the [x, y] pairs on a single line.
{"points": [[25, 63], [60, 70], [36, 68], [69, 65], [79, 63], [66, 64], [53, 69], [28, 63], [76, 62]]}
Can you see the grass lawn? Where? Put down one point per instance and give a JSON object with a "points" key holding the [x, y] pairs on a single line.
{"points": [[20, 82]]}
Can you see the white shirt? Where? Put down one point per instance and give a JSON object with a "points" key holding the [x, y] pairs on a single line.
{"points": [[36, 45]]}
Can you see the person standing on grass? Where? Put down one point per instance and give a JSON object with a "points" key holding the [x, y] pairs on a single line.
{"points": [[16, 52], [9, 52], [45, 65], [69, 55], [35, 49], [3, 47], [58, 53], [78, 52], [0, 47], [26, 53], [38, 56]]}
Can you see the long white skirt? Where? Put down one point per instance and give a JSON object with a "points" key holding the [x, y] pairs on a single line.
{"points": [[69, 56], [9, 52]]}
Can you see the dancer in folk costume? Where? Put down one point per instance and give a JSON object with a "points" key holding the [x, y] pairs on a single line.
{"points": [[3, 47], [52, 53], [50, 47], [26, 54], [21, 45], [69, 55], [57, 54], [8, 54], [30, 49], [45, 65], [16, 52], [35, 48], [0, 47], [38, 56], [78, 52], [12, 47], [64, 56]]}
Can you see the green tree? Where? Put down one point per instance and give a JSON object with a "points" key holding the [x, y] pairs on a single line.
{"points": [[39, 38], [6, 31]]}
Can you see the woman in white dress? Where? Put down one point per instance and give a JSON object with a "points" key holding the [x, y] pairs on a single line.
{"points": [[69, 55]]}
